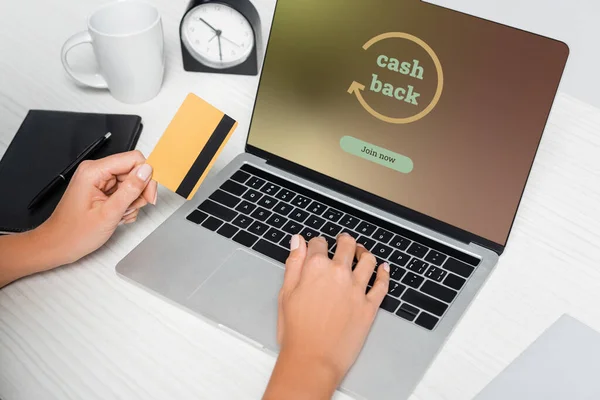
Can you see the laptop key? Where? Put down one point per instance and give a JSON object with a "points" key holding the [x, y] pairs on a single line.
{"points": [[381, 250], [308, 234], [400, 242], [333, 215], [277, 221], [243, 221], [245, 207], [274, 235], [396, 289], [218, 210], [252, 195], [271, 250], [435, 258], [314, 222], [427, 321], [383, 236], [227, 231], [299, 215], [455, 282], [435, 273], [417, 250], [331, 229], [285, 195], [458, 267], [413, 280], [212, 224], [399, 258], [270, 189], [240, 176], [390, 304], [283, 208], [348, 221], [407, 312], [351, 233], [258, 228], [301, 201], [317, 208], [417, 265], [366, 229], [245, 239], [224, 198], [366, 242], [267, 202], [261, 214], [438, 291], [396, 273], [330, 241], [285, 242], [197, 217], [424, 302], [293, 228], [255, 183], [233, 188]]}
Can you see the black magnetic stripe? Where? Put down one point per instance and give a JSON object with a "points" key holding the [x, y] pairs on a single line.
{"points": [[205, 157]]}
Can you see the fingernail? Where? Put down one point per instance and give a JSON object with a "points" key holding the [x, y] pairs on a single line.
{"points": [[386, 267], [295, 242], [121, 223], [360, 245], [344, 234], [155, 198], [129, 211], [144, 172]]}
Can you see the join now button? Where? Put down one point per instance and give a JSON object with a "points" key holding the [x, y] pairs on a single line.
{"points": [[376, 154]]}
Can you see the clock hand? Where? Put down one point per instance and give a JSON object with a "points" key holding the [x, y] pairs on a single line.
{"points": [[211, 39], [230, 41], [207, 24], [219, 39]]}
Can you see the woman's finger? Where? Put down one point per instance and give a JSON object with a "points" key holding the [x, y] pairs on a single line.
{"points": [[381, 286], [138, 203], [345, 250], [365, 265], [294, 263], [316, 246], [150, 194]]}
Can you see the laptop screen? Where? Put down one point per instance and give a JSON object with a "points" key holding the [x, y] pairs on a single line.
{"points": [[432, 109]]}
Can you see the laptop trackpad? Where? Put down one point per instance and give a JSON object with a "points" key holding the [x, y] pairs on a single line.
{"points": [[242, 295]]}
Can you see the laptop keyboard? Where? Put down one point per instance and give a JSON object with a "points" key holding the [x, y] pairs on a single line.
{"points": [[262, 212]]}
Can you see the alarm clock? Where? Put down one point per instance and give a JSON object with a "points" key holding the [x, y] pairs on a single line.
{"points": [[221, 36]]}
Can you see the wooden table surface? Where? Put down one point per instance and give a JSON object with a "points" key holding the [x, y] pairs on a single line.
{"points": [[80, 332]]}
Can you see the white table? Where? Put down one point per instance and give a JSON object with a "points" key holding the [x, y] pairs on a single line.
{"points": [[80, 332]]}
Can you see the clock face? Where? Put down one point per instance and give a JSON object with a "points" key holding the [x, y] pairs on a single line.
{"points": [[217, 35]]}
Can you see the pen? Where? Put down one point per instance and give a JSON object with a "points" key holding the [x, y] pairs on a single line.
{"points": [[67, 172]]}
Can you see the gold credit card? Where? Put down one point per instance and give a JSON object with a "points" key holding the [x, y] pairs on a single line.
{"points": [[189, 147]]}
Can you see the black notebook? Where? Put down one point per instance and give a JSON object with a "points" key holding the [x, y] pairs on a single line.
{"points": [[46, 143]]}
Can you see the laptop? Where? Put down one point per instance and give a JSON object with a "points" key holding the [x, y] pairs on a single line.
{"points": [[410, 126]]}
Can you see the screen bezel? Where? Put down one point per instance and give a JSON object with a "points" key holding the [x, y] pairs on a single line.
{"points": [[384, 204]]}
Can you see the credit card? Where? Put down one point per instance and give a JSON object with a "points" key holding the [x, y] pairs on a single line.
{"points": [[190, 146]]}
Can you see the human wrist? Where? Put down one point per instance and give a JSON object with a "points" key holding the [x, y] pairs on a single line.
{"points": [[46, 247], [298, 375]]}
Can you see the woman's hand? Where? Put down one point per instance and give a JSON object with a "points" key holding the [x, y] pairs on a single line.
{"points": [[324, 316], [101, 195]]}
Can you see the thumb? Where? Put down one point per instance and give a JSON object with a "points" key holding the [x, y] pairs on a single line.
{"points": [[294, 263], [129, 190]]}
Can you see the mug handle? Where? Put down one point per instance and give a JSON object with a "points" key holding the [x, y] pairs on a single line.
{"points": [[87, 79]]}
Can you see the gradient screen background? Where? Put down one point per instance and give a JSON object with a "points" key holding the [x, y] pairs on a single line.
{"points": [[472, 153]]}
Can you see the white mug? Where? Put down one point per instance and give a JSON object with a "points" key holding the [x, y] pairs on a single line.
{"points": [[128, 42]]}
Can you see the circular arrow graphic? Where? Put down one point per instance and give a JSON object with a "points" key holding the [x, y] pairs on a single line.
{"points": [[357, 88]]}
